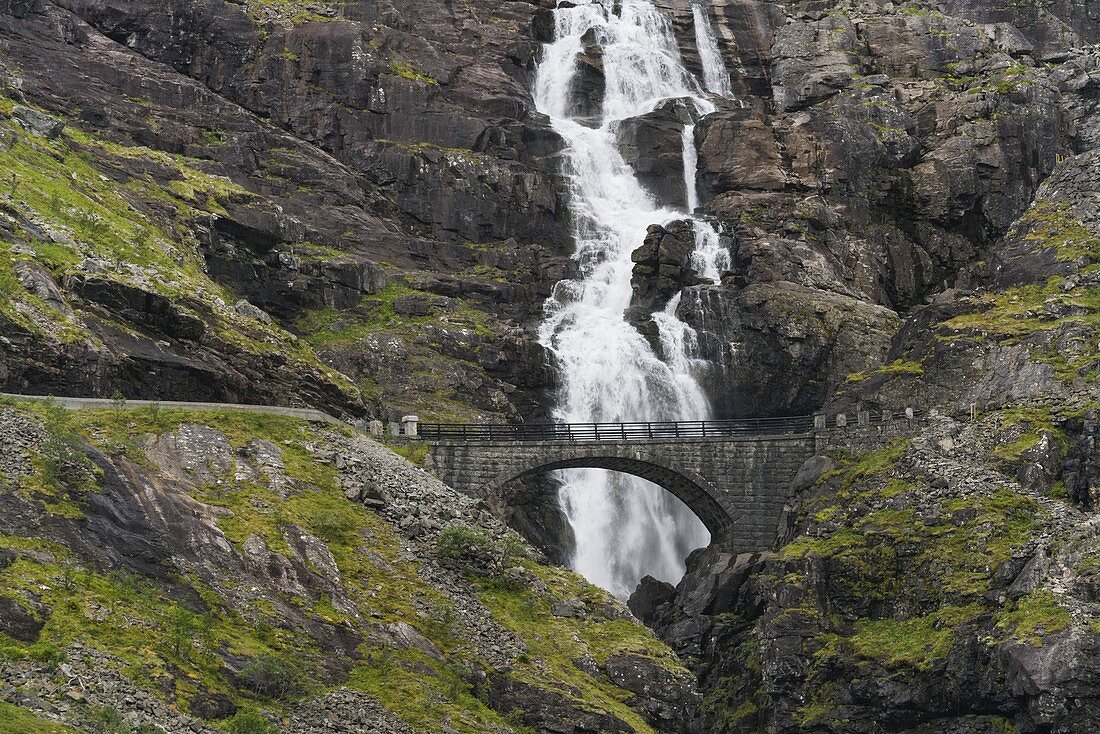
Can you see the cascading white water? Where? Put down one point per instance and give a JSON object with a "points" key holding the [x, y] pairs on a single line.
{"points": [[691, 166], [625, 527], [711, 258], [716, 78]]}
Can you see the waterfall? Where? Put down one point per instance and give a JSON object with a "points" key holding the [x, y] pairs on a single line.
{"points": [[716, 77], [711, 258], [625, 527], [691, 166]]}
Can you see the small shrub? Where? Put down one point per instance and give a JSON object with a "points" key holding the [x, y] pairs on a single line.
{"points": [[152, 412], [273, 677], [49, 654], [263, 630], [333, 527], [249, 722], [106, 720], [466, 546], [514, 719], [445, 616], [182, 628], [118, 400], [381, 660], [475, 550], [63, 457]]}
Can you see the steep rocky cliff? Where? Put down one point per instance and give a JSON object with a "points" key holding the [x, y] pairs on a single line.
{"points": [[353, 205], [375, 180], [939, 162], [370, 182], [882, 148]]}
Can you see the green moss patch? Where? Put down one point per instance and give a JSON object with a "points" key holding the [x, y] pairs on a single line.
{"points": [[1024, 314], [405, 70], [1055, 226], [917, 642], [897, 367], [293, 12], [1032, 617]]}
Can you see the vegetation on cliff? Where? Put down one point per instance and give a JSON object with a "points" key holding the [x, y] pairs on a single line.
{"points": [[268, 586]]}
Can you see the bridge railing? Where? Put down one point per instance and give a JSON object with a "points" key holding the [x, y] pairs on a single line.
{"points": [[613, 431]]}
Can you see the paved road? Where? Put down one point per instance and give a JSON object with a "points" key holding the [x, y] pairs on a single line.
{"points": [[309, 414]]}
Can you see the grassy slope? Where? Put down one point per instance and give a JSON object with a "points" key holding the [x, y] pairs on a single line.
{"points": [[177, 641], [16, 720]]}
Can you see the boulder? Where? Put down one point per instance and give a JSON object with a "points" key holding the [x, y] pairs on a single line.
{"points": [[37, 122]]}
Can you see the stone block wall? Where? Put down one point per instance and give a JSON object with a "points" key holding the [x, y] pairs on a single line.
{"points": [[737, 486]]}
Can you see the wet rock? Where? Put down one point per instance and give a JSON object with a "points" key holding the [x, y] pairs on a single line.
{"points": [[587, 92], [783, 348], [212, 706], [663, 265], [649, 597], [652, 144], [738, 152]]}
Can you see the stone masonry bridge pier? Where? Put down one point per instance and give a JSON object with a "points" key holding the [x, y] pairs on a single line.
{"points": [[736, 476]]}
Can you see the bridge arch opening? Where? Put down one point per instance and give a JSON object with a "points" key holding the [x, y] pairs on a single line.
{"points": [[587, 506], [691, 489]]}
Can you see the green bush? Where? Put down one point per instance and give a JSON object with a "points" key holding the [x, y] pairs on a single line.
{"points": [[64, 459], [273, 677], [107, 720], [249, 722], [467, 548], [475, 550], [181, 629], [334, 527]]}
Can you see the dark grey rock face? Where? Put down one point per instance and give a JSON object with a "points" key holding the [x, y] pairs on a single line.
{"points": [[653, 146], [887, 151], [363, 154], [831, 626], [662, 265]]}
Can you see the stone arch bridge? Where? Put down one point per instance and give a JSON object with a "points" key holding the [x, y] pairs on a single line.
{"points": [[736, 476]]}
